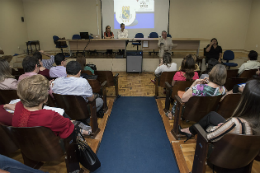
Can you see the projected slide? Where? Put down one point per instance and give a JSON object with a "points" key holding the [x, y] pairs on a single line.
{"points": [[134, 13]]}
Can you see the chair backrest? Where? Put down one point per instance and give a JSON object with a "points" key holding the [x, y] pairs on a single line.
{"points": [[232, 73], [19, 71], [228, 105], [139, 35], [197, 107], [228, 55], [55, 38], [180, 86], [76, 36], [235, 151], [248, 73], [75, 106], [230, 82], [51, 102], [153, 35], [86, 72], [169, 35], [7, 95], [105, 76], [38, 143], [166, 76], [95, 85], [7, 144]]}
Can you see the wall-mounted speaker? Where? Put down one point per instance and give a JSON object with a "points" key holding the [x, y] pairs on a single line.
{"points": [[22, 19]]}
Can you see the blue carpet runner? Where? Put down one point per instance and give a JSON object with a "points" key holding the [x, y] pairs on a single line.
{"points": [[135, 140]]}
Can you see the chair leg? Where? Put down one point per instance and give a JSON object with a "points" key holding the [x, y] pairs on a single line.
{"points": [[31, 163], [177, 121], [93, 120]]}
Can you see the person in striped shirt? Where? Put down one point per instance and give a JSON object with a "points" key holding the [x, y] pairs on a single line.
{"points": [[47, 63], [245, 119]]}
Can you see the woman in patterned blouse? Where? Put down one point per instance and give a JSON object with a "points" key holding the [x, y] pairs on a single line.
{"points": [[212, 86]]}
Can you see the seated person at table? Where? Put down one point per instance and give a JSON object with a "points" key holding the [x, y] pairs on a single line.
{"points": [[31, 67], [165, 44], [108, 35], [211, 63], [122, 33], [33, 92], [166, 64], [213, 50], [73, 84], [187, 70], [47, 63], [246, 116], [7, 81], [43, 71], [197, 67], [60, 69], [251, 63], [212, 86]]}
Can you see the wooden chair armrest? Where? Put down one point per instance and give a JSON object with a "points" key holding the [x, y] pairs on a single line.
{"points": [[93, 101], [168, 86], [201, 132], [103, 84], [116, 75], [178, 99]]}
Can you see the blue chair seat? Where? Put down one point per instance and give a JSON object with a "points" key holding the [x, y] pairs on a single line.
{"points": [[136, 43], [230, 64]]}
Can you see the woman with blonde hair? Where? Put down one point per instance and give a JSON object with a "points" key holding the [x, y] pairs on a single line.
{"points": [[29, 112], [7, 81]]}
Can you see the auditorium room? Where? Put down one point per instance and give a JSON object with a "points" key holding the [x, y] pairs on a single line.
{"points": [[129, 86]]}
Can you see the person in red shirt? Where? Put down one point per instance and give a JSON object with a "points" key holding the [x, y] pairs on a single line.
{"points": [[43, 71], [108, 35], [33, 92]]}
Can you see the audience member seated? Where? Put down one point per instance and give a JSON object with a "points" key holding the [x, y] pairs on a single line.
{"points": [[251, 63], [60, 69], [246, 116], [197, 67], [187, 70], [212, 86], [73, 84], [47, 63], [82, 61], [43, 71], [211, 63], [8, 165], [7, 81], [31, 67], [166, 64], [213, 50], [33, 92]]}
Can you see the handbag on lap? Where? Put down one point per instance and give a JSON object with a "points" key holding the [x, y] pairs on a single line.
{"points": [[85, 154]]}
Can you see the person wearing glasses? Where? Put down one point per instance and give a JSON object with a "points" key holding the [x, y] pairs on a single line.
{"points": [[108, 35], [60, 69]]}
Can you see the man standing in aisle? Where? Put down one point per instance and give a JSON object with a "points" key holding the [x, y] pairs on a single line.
{"points": [[165, 45], [123, 33]]}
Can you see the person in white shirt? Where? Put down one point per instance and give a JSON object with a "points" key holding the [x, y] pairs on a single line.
{"points": [[165, 44], [123, 33], [166, 64], [251, 63]]}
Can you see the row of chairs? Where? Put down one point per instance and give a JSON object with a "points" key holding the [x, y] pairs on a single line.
{"points": [[245, 148], [39, 145], [232, 79]]}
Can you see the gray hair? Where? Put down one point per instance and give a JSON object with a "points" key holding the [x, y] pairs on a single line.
{"points": [[167, 59]]}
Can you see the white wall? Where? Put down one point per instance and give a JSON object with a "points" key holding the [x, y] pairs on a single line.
{"points": [[13, 32], [226, 20], [63, 18]]}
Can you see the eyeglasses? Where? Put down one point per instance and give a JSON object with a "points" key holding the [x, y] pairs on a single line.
{"points": [[38, 65]]}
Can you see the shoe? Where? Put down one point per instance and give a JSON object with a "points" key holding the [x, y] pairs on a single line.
{"points": [[186, 134], [153, 81]]}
